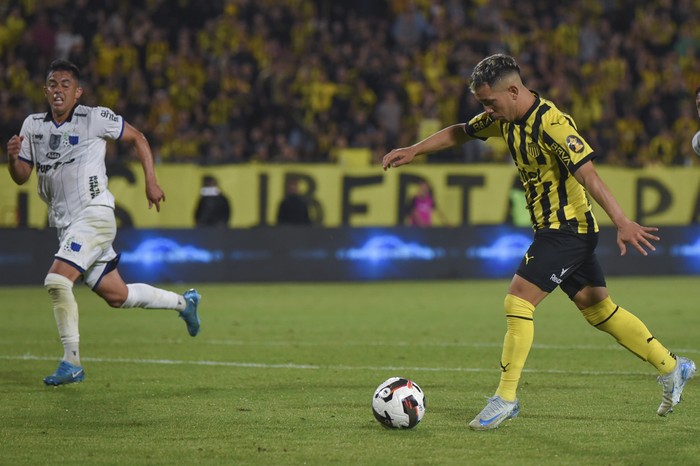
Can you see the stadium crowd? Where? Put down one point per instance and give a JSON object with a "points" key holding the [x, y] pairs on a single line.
{"points": [[231, 81]]}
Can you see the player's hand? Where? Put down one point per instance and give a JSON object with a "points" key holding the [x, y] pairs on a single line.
{"points": [[155, 195], [638, 236], [398, 157], [13, 146]]}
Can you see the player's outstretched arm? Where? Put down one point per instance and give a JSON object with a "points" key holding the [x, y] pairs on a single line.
{"points": [[445, 138], [143, 151], [627, 231], [19, 170]]}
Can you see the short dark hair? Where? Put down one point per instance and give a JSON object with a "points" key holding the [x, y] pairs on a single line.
{"points": [[64, 65], [491, 69], [209, 180]]}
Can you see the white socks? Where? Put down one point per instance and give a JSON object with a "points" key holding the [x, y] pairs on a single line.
{"points": [[65, 308], [65, 311], [149, 297]]}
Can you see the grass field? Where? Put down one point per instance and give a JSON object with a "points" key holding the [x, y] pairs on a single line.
{"points": [[284, 374]]}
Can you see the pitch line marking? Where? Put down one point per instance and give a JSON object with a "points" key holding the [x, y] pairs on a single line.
{"points": [[437, 344], [342, 367], [536, 346]]}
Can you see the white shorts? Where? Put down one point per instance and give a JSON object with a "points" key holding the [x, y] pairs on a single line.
{"points": [[86, 243]]}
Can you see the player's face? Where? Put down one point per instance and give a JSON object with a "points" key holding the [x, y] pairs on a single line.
{"points": [[62, 92], [498, 102]]}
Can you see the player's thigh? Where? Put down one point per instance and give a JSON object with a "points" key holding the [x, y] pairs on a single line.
{"points": [[586, 286], [526, 290]]}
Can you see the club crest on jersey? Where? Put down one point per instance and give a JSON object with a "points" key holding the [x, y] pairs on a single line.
{"points": [[534, 151], [55, 141], [72, 140], [72, 245], [574, 143]]}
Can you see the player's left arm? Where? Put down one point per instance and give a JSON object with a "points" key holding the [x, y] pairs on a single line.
{"points": [[627, 231], [154, 193]]}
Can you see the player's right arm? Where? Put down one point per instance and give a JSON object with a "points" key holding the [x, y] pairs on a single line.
{"points": [[20, 169], [445, 138]]}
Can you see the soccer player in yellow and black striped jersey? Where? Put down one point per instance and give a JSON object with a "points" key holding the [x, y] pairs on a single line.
{"points": [[556, 168]]}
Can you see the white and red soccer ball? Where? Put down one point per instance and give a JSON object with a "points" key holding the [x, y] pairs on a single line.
{"points": [[398, 403]]}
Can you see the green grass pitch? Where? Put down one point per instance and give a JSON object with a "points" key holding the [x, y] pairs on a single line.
{"points": [[284, 374]]}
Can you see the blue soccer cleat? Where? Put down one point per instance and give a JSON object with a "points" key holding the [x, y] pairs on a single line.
{"points": [[190, 314], [65, 373]]}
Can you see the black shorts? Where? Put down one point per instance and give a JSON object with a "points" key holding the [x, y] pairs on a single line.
{"points": [[562, 258]]}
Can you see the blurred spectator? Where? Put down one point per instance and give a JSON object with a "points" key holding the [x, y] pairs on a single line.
{"points": [[293, 209], [213, 208], [410, 28], [388, 114], [66, 40], [44, 35], [422, 207]]}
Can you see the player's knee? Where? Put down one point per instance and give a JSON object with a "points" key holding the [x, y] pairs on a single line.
{"points": [[600, 312], [518, 307], [60, 290], [57, 283], [114, 299], [115, 302], [115, 294]]}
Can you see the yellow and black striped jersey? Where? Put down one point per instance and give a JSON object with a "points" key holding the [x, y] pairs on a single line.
{"points": [[547, 150]]}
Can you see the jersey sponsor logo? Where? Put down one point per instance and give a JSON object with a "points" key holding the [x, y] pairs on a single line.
{"points": [[109, 115], [481, 124], [37, 137], [46, 167], [53, 155], [54, 141], [534, 177], [562, 153], [555, 279], [94, 185], [574, 143]]}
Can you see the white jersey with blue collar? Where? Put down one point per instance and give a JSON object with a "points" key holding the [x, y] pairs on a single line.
{"points": [[69, 159]]}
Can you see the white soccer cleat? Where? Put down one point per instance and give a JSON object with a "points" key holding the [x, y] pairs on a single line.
{"points": [[496, 411], [674, 383]]}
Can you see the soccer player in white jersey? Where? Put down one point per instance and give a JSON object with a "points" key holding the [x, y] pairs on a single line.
{"points": [[66, 147]]}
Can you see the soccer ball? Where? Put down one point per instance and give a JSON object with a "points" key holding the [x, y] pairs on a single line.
{"points": [[398, 403], [696, 143]]}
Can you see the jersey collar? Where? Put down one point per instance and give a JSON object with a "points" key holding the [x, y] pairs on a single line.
{"points": [[535, 104], [49, 115]]}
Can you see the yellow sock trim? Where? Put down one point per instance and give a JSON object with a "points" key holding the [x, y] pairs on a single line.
{"points": [[631, 333], [516, 344]]}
